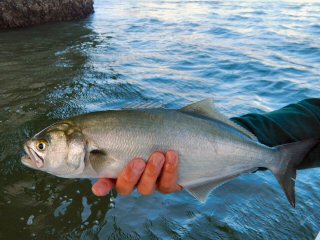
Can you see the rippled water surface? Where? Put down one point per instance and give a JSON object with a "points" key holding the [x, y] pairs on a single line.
{"points": [[252, 56]]}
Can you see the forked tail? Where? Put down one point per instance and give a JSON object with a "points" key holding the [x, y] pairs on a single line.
{"points": [[284, 169]]}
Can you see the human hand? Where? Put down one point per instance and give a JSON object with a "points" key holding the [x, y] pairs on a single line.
{"points": [[159, 173]]}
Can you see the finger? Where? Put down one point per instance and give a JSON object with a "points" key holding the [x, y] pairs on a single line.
{"points": [[147, 183], [168, 179], [103, 186], [130, 176]]}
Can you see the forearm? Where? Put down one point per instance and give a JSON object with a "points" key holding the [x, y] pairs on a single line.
{"points": [[289, 124]]}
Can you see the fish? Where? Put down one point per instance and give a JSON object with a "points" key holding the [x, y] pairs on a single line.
{"points": [[212, 149]]}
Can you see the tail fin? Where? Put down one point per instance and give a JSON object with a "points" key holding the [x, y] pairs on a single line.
{"points": [[284, 169]]}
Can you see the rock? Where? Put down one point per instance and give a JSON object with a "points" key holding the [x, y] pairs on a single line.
{"points": [[23, 13]]}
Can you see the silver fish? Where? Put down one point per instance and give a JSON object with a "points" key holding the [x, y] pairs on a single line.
{"points": [[212, 149]]}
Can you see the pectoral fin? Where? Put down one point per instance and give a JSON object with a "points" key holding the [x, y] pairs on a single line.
{"points": [[100, 160]]}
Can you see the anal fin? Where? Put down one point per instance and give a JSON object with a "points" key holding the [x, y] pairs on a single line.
{"points": [[201, 191]]}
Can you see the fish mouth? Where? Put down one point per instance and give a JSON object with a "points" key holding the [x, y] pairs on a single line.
{"points": [[32, 159]]}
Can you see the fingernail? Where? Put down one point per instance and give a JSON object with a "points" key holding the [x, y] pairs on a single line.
{"points": [[171, 158], [95, 191], [158, 160], [138, 166]]}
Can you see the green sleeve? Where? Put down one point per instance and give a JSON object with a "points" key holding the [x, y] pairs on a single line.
{"points": [[289, 124]]}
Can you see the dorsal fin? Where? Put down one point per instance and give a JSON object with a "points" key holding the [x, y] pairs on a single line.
{"points": [[206, 108]]}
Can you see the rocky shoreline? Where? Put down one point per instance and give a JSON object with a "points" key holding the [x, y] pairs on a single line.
{"points": [[24, 13]]}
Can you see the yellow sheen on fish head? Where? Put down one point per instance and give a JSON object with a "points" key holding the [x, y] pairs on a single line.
{"points": [[58, 150]]}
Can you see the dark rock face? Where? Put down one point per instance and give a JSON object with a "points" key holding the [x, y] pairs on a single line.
{"points": [[23, 13]]}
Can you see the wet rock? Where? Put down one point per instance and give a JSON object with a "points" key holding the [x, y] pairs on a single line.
{"points": [[23, 13]]}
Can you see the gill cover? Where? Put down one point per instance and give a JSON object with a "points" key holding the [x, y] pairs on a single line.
{"points": [[67, 149], [76, 152]]}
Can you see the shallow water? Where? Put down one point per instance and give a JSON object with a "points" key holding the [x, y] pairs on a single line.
{"points": [[251, 56]]}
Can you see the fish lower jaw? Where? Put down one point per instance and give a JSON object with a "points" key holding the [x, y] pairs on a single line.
{"points": [[27, 161]]}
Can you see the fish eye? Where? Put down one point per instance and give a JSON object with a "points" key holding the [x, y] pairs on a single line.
{"points": [[41, 145]]}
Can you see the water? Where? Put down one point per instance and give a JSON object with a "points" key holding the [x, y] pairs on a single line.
{"points": [[251, 56]]}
